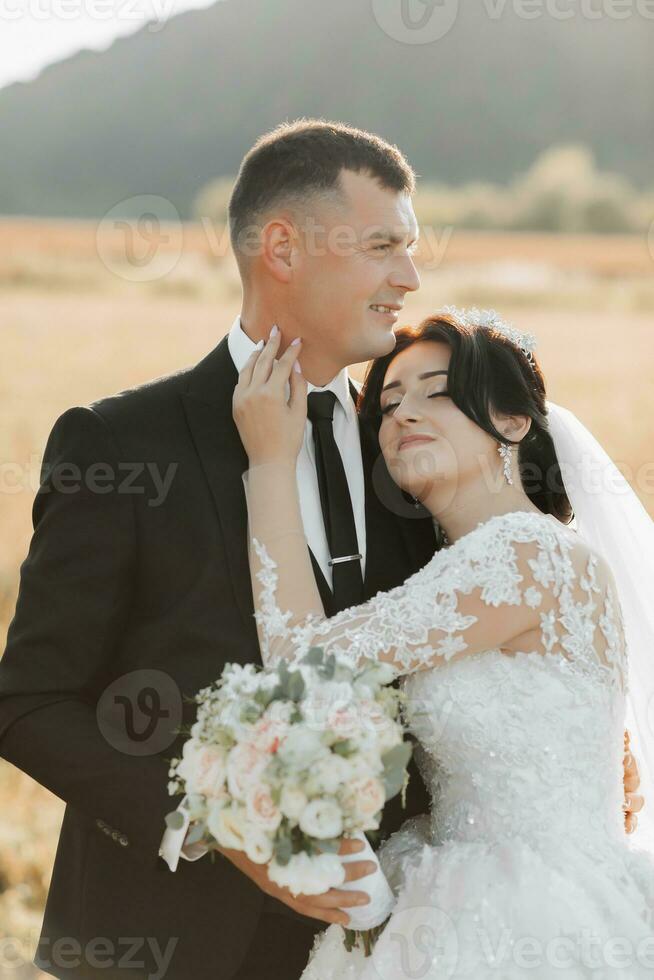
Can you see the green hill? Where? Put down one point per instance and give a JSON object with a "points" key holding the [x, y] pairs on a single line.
{"points": [[164, 111]]}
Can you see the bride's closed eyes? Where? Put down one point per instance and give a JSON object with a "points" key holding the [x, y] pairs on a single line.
{"points": [[437, 394]]}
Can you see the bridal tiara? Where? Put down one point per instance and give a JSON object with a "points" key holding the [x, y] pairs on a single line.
{"points": [[490, 320]]}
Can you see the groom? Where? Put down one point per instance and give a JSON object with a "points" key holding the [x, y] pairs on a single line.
{"points": [[136, 588]]}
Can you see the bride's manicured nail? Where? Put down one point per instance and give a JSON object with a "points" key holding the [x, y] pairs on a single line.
{"points": [[294, 343], [274, 331], [259, 345], [297, 368]]}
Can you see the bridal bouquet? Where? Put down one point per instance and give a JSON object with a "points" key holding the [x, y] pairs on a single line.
{"points": [[282, 762]]}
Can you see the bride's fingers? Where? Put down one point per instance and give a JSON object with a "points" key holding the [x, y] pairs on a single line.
{"points": [[631, 783], [635, 803], [266, 359], [282, 368], [331, 916], [631, 823], [359, 869], [246, 372], [337, 898]]}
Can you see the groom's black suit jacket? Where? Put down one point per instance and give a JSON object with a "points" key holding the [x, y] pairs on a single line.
{"points": [[119, 578]]}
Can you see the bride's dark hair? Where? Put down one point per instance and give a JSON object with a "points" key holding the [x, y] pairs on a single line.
{"points": [[486, 372]]}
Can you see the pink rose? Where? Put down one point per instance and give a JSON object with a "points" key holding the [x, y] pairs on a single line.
{"points": [[268, 734], [245, 763], [203, 769], [261, 809], [365, 798], [343, 720]]}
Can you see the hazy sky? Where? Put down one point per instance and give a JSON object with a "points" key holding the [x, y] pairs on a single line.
{"points": [[34, 33]]}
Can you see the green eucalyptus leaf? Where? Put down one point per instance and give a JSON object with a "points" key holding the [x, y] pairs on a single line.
{"points": [[263, 697], [315, 657], [295, 686], [395, 763], [283, 850], [399, 755], [344, 748]]}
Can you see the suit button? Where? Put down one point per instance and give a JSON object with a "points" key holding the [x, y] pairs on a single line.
{"points": [[115, 835], [100, 824], [123, 841]]}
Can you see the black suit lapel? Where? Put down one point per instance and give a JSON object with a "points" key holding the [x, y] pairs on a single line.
{"points": [[208, 407], [395, 547]]}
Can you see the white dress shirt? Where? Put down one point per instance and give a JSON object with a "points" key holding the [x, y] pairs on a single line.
{"points": [[346, 434]]}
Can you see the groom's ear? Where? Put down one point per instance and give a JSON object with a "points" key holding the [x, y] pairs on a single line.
{"points": [[278, 243]]}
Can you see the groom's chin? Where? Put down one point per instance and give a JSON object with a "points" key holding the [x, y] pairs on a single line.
{"points": [[381, 344]]}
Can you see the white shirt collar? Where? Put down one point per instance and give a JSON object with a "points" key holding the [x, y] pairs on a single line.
{"points": [[241, 347]]}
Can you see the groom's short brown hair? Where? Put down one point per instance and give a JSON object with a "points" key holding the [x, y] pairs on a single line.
{"points": [[299, 159]]}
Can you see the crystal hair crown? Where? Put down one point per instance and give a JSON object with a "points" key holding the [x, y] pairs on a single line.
{"points": [[490, 320]]}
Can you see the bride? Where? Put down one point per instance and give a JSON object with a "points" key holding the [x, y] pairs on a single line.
{"points": [[512, 644]]}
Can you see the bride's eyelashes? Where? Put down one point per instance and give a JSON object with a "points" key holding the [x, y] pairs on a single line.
{"points": [[437, 394]]}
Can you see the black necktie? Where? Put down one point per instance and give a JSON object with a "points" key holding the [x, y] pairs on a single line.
{"points": [[336, 503]]}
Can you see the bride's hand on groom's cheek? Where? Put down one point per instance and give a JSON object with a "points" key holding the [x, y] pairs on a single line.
{"points": [[331, 907], [271, 428]]}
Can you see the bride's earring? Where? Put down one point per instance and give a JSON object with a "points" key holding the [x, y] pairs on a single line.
{"points": [[506, 454]]}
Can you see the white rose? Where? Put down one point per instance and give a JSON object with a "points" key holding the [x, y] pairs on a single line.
{"points": [[203, 769], [230, 718], [322, 819], [305, 875], [364, 800], [244, 767], [344, 721], [268, 734], [366, 761], [292, 802], [258, 845], [328, 774], [376, 674], [322, 700], [261, 809], [376, 722], [226, 824], [301, 748]]}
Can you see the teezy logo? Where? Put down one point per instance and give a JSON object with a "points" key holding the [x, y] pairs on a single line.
{"points": [[416, 21]]}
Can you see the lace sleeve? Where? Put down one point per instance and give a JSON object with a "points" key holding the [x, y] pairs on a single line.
{"points": [[516, 575], [476, 596]]}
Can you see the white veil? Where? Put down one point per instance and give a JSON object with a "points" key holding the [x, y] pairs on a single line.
{"points": [[611, 518]]}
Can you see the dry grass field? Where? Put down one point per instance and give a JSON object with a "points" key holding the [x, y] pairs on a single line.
{"points": [[75, 325]]}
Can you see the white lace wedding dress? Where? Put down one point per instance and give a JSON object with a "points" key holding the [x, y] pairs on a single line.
{"points": [[522, 869]]}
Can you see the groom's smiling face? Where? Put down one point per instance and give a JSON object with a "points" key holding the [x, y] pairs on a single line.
{"points": [[352, 269]]}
